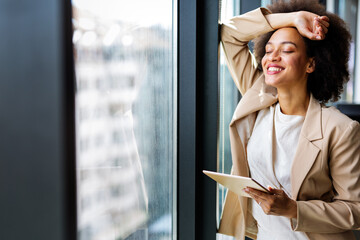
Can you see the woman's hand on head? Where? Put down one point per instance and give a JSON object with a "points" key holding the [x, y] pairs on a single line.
{"points": [[311, 25], [276, 202]]}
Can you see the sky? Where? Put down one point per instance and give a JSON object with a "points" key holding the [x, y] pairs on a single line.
{"points": [[139, 12]]}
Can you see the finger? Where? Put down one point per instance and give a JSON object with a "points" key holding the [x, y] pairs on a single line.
{"points": [[324, 18], [306, 32], [317, 34], [324, 30], [322, 26], [276, 191], [258, 194], [317, 30], [259, 200], [252, 195], [312, 36], [321, 34], [256, 198], [325, 23]]}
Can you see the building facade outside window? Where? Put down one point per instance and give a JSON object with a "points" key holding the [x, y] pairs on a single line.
{"points": [[125, 111]]}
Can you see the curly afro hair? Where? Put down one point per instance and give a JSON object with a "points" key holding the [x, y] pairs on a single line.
{"points": [[331, 54]]}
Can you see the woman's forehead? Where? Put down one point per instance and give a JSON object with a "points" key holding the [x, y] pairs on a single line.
{"points": [[286, 36]]}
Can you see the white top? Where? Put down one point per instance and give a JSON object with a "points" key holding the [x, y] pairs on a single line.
{"points": [[271, 150]]}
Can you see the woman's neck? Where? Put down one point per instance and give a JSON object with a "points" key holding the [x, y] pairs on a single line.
{"points": [[293, 102]]}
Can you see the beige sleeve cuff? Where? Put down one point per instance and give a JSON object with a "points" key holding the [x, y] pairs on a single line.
{"points": [[294, 221], [247, 26]]}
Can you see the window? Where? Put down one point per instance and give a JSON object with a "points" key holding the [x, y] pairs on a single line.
{"points": [[229, 97], [124, 63], [348, 10]]}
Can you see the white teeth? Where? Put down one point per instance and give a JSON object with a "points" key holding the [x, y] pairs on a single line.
{"points": [[274, 69]]}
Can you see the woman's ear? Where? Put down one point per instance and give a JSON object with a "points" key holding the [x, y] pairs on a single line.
{"points": [[311, 66]]}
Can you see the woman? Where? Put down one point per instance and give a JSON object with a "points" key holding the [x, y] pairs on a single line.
{"points": [[282, 135]]}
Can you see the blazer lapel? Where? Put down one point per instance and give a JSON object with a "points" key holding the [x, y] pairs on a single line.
{"points": [[261, 96], [306, 152], [258, 97]]}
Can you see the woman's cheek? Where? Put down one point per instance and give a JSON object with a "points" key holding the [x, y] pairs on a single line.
{"points": [[263, 63]]}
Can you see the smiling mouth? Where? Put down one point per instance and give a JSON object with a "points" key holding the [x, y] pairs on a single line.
{"points": [[274, 70]]}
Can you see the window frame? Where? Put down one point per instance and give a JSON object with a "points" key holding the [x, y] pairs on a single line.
{"points": [[38, 183], [198, 42]]}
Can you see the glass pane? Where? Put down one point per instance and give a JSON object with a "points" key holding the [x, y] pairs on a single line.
{"points": [[125, 113], [229, 97], [348, 10]]}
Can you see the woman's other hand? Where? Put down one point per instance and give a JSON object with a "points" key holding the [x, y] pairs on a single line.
{"points": [[311, 26], [276, 202]]}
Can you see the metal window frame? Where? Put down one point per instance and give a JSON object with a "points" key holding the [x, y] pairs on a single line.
{"points": [[37, 173]]}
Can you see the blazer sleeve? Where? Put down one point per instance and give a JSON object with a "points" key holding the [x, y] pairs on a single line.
{"points": [[343, 213], [235, 35]]}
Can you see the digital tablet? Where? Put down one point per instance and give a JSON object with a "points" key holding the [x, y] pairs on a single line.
{"points": [[235, 183]]}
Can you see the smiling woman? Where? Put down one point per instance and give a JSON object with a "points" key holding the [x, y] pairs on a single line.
{"points": [[310, 154]]}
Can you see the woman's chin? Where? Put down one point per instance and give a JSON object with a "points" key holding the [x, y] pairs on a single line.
{"points": [[271, 82]]}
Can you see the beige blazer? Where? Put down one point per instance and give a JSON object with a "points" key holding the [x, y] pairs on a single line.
{"points": [[325, 175]]}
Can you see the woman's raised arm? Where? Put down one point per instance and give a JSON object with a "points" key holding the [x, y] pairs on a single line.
{"points": [[238, 31], [308, 24], [235, 35]]}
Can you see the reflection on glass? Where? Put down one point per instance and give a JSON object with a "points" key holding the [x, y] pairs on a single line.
{"points": [[347, 10], [124, 114], [229, 97]]}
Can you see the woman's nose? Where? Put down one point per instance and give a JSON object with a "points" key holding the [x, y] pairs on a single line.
{"points": [[274, 56]]}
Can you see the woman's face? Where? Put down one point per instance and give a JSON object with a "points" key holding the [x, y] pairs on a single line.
{"points": [[285, 63]]}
